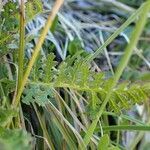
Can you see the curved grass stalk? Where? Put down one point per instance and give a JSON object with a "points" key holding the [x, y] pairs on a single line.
{"points": [[124, 61], [72, 114], [58, 116], [38, 46], [116, 33], [47, 137]]}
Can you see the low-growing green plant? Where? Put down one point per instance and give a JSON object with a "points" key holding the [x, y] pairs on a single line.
{"points": [[46, 104]]}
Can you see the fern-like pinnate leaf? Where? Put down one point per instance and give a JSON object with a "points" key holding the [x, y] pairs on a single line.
{"points": [[125, 98], [37, 93], [74, 73], [48, 68], [33, 8], [8, 28]]}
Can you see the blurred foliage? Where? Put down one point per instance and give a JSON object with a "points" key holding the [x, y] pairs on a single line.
{"points": [[74, 73], [134, 3], [14, 139], [8, 27], [6, 116]]}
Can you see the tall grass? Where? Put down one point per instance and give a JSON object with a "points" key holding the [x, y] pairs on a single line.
{"points": [[123, 63]]}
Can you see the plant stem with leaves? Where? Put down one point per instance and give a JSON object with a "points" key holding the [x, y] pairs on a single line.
{"points": [[38, 46], [124, 61]]}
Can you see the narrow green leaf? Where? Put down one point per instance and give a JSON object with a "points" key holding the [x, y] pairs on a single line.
{"points": [[126, 127]]}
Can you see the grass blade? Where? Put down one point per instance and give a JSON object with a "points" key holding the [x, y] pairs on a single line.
{"points": [[116, 33], [126, 127]]}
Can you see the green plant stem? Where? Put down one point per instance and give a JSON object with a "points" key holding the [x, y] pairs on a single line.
{"points": [[118, 132], [65, 85], [126, 127], [21, 52], [21, 45], [38, 46], [124, 61]]}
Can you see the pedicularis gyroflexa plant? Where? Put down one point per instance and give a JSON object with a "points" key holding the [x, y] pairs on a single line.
{"points": [[42, 84]]}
